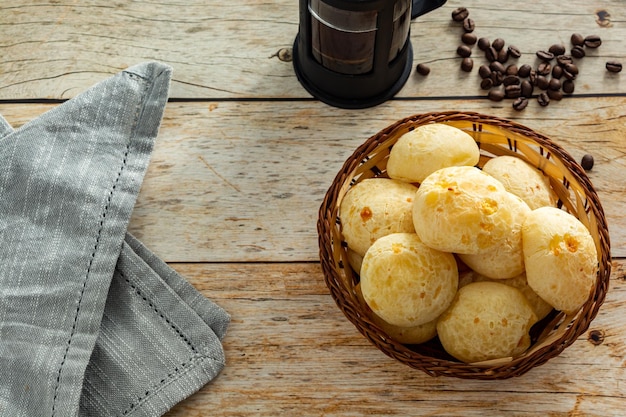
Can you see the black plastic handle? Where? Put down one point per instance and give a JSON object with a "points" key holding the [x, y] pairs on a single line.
{"points": [[421, 7]]}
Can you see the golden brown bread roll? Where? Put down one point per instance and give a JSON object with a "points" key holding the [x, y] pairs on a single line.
{"points": [[561, 258], [374, 208], [427, 148], [405, 282], [486, 320]]}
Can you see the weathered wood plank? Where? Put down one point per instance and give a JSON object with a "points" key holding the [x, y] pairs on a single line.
{"points": [[57, 49], [290, 351], [243, 181]]}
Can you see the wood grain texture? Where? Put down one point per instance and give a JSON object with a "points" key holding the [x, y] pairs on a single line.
{"points": [[58, 48], [243, 181], [290, 351]]}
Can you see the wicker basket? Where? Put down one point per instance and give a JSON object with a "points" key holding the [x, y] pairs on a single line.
{"points": [[495, 137]]}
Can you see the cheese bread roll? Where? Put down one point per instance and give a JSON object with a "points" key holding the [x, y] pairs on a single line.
{"points": [[561, 258], [521, 179], [487, 320], [466, 211], [429, 147], [405, 282], [373, 208]]}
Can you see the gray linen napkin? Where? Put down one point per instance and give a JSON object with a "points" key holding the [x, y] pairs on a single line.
{"points": [[91, 322]]}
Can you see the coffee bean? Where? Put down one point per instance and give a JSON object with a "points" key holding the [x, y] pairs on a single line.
{"points": [[520, 103], [554, 84], [511, 80], [532, 77], [467, 64], [514, 51], [464, 51], [544, 68], [557, 49], [483, 44], [497, 66], [422, 69], [496, 94], [545, 55], [484, 71], [543, 99], [564, 59], [511, 70], [503, 55], [498, 44], [491, 54], [496, 77], [593, 41], [587, 162], [578, 52], [557, 71], [486, 83], [527, 88], [577, 39], [513, 91], [468, 38], [568, 86], [460, 14], [555, 95], [570, 71], [613, 66], [524, 70], [542, 82], [469, 25]]}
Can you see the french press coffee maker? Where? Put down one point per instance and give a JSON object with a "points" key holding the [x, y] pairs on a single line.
{"points": [[356, 53]]}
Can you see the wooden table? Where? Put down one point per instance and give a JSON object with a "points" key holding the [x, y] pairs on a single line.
{"points": [[245, 156]]}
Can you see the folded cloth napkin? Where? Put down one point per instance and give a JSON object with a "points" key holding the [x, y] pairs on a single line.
{"points": [[92, 322]]}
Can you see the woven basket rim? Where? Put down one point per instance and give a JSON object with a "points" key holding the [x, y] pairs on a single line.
{"points": [[430, 359]]}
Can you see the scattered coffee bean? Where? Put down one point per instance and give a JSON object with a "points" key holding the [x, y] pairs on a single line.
{"points": [[557, 49], [513, 91], [587, 162], [532, 77], [460, 14], [520, 103], [503, 55], [469, 25], [511, 80], [491, 54], [542, 82], [468, 38], [486, 84], [564, 59], [557, 71], [570, 71], [578, 52], [593, 41], [554, 84], [524, 70], [543, 99], [514, 51], [497, 66], [498, 44], [497, 77], [467, 64], [544, 68], [511, 70], [464, 51], [484, 71], [527, 88], [577, 39], [422, 69], [568, 86], [545, 55], [555, 95], [483, 44], [614, 66], [496, 94]]}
